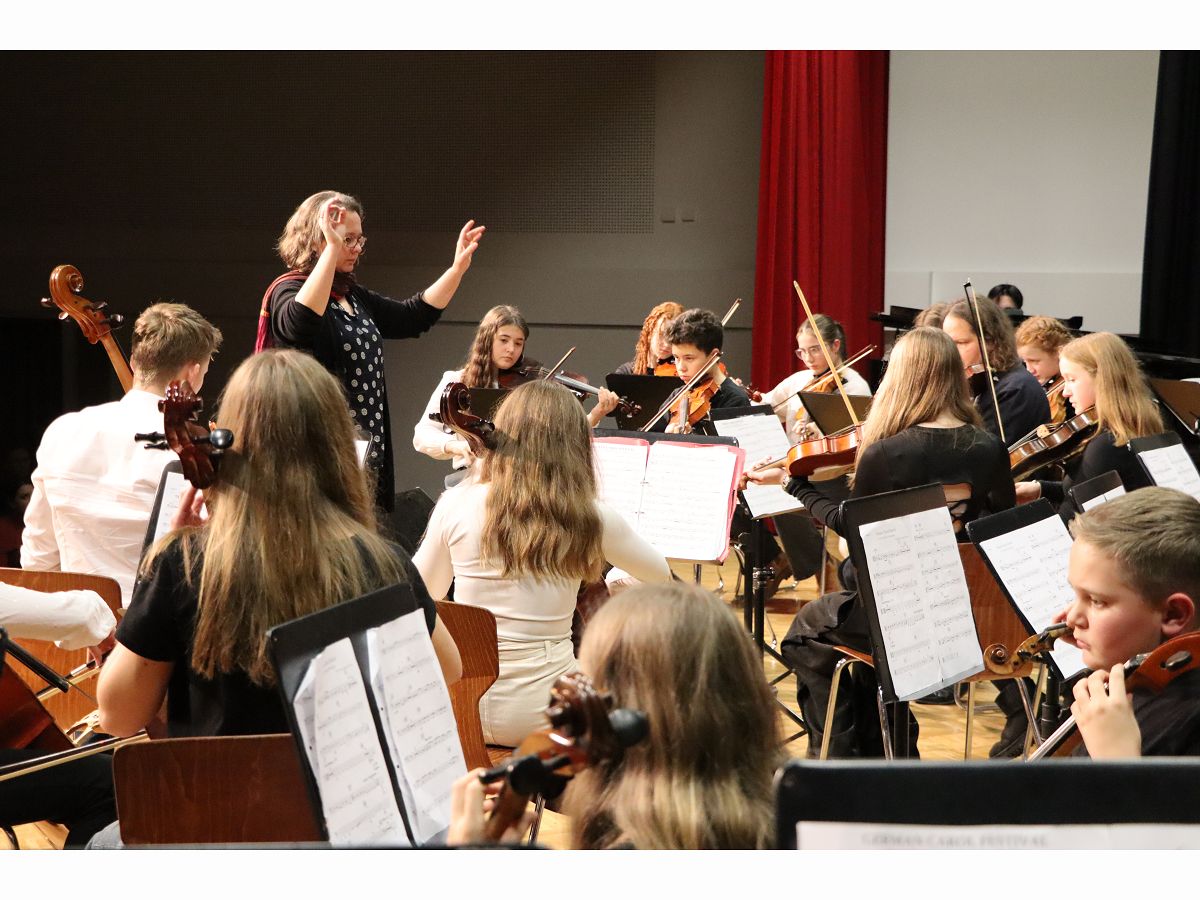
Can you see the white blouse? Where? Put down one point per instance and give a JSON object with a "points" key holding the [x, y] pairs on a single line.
{"points": [[855, 385], [431, 438], [527, 608]]}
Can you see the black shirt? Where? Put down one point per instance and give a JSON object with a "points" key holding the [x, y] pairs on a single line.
{"points": [[351, 347], [923, 455], [1170, 720], [1099, 456], [160, 625], [1023, 405]]}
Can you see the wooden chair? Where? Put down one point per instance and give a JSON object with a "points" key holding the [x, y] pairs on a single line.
{"points": [[474, 631], [67, 709], [996, 624], [215, 790]]}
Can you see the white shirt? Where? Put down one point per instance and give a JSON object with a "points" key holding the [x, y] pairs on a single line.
{"points": [[93, 491], [855, 384], [72, 619], [431, 438], [526, 609]]}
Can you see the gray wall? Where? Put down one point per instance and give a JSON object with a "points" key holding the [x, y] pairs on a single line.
{"points": [[610, 181]]}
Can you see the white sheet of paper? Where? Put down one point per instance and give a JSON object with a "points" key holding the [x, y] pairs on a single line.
{"points": [[173, 487], [1031, 563], [762, 437], [361, 448], [418, 720], [1172, 467], [870, 836], [1104, 498], [687, 499], [343, 746], [620, 474], [923, 602]]}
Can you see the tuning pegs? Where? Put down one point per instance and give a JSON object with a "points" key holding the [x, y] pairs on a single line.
{"points": [[116, 319], [62, 316], [47, 303]]}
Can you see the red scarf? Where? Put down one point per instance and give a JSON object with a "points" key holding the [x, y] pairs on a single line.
{"points": [[342, 284]]}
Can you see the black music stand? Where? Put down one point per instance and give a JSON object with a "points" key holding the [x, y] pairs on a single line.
{"points": [[1067, 791], [172, 476], [647, 391], [485, 401], [1182, 400], [1167, 439], [1085, 492], [295, 644], [828, 411]]}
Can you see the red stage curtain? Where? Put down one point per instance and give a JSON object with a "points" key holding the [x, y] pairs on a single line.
{"points": [[822, 190]]}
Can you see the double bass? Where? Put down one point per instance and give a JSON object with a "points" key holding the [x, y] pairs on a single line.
{"points": [[66, 287]]}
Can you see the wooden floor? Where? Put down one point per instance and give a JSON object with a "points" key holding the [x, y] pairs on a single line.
{"points": [[943, 728]]}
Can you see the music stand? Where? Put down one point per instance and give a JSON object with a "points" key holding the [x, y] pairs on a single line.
{"points": [[1182, 400], [1166, 462], [828, 411], [484, 401], [1095, 491], [171, 485], [648, 391], [1068, 791], [295, 644]]}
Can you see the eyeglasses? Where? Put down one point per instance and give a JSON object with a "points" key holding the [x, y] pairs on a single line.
{"points": [[807, 352], [357, 243]]}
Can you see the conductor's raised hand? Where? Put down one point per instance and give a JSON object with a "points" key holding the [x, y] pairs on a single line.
{"points": [[330, 216], [464, 249]]}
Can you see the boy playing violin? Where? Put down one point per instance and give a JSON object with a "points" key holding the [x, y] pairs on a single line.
{"points": [[1135, 569], [693, 337]]}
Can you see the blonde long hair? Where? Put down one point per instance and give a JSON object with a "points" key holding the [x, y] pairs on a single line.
{"points": [[701, 779], [1123, 403], [479, 370], [292, 529], [669, 309], [299, 244], [540, 518], [924, 379]]}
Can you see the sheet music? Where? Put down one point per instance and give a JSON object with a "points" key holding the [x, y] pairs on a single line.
{"points": [[762, 437], [174, 484], [862, 836], [1104, 498], [687, 500], [335, 721], [1031, 563], [922, 600], [1172, 467], [418, 721], [620, 473]]}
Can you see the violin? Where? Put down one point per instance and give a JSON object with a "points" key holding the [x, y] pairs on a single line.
{"points": [[666, 369], [584, 730], [1052, 445], [199, 450], [697, 391], [977, 379], [837, 449], [1147, 671], [66, 283], [1058, 403], [454, 412], [579, 387]]}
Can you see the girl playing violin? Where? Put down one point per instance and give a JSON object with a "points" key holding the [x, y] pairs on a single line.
{"points": [[922, 428], [1023, 404], [520, 538], [793, 415], [1100, 371], [676, 653], [291, 531], [496, 356], [1039, 340], [693, 336], [652, 354]]}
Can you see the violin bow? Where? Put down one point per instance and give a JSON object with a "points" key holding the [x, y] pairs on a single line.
{"points": [[729, 312], [553, 370], [969, 290], [828, 356], [712, 360]]}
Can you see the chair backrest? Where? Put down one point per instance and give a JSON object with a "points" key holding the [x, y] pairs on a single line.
{"points": [[996, 623], [67, 709], [474, 631], [213, 790]]}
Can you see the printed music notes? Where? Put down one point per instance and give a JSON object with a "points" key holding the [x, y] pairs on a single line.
{"points": [[346, 724], [923, 605], [1031, 565], [1171, 467], [678, 496], [762, 437]]}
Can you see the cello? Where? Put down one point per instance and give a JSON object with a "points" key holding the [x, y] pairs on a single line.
{"points": [[66, 285]]}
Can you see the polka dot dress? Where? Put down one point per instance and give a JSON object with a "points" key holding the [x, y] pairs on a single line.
{"points": [[360, 352]]}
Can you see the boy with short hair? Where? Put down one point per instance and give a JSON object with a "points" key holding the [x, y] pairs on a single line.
{"points": [[693, 335], [1135, 569]]}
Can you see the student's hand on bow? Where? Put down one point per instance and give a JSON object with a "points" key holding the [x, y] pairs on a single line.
{"points": [[1105, 717]]}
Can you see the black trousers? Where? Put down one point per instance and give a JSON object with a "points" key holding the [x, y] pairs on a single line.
{"points": [[78, 795], [808, 648]]}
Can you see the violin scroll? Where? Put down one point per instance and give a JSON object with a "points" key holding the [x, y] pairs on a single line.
{"points": [[199, 450], [454, 412]]}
